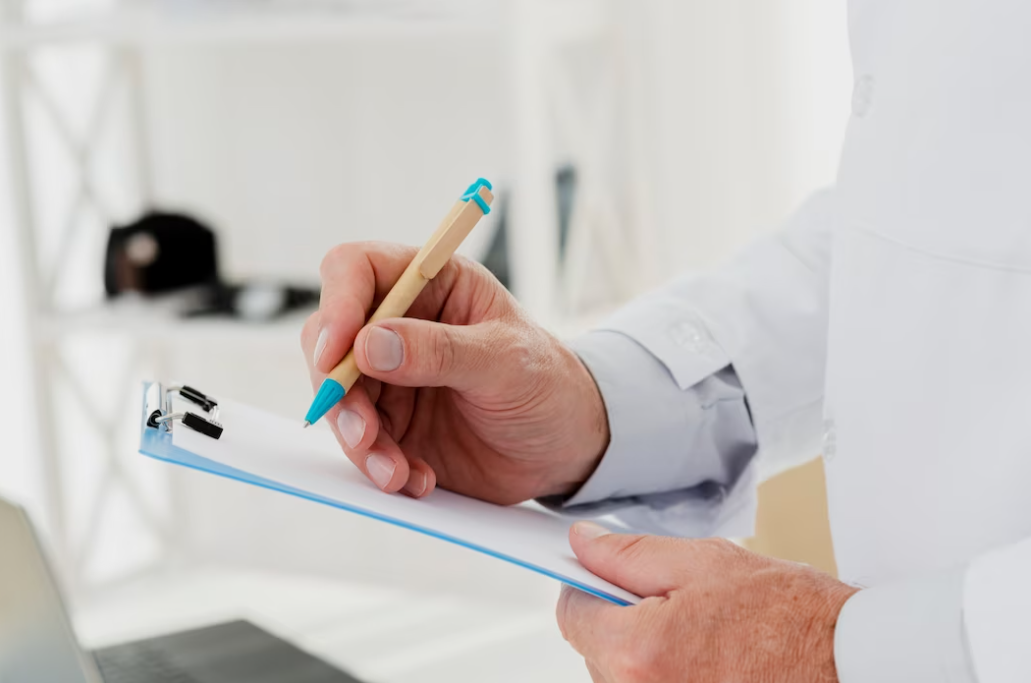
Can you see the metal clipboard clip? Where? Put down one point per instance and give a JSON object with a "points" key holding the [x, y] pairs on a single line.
{"points": [[161, 416]]}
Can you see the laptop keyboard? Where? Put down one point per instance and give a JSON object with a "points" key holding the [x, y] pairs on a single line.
{"points": [[139, 663], [233, 652]]}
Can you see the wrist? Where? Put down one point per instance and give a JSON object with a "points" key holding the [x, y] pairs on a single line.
{"points": [[590, 424], [821, 635]]}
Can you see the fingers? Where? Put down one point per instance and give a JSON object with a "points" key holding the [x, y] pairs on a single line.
{"points": [[645, 565], [354, 276], [618, 643], [390, 470], [358, 427], [418, 353], [383, 463], [309, 336], [422, 480], [355, 421], [396, 406], [411, 351], [592, 626], [374, 388], [595, 672]]}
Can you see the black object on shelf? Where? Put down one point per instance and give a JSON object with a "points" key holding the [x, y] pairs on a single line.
{"points": [[160, 252], [164, 253], [253, 301]]}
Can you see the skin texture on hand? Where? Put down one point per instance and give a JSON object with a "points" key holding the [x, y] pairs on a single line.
{"points": [[713, 613], [466, 392]]}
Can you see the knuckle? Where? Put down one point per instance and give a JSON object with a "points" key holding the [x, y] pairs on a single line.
{"points": [[575, 627], [562, 612], [461, 262], [632, 549], [474, 269], [639, 661], [336, 255], [464, 266], [443, 347], [522, 353], [308, 330], [721, 546], [477, 272]]}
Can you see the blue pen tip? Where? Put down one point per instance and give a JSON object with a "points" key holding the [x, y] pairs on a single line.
{"points": [[329, 395]]}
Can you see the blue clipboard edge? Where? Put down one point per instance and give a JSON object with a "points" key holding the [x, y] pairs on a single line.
{"points": [[158, 445]]}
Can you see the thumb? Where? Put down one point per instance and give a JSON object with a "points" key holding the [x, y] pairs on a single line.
{"points": [[645, 565], [418, 353]]}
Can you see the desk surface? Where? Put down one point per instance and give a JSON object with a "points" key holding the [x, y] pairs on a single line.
{"points": [[379, 634]]}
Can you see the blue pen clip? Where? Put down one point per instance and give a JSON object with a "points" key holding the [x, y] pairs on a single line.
{"points": [[473, 193]]}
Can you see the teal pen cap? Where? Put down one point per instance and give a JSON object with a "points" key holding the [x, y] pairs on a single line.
{"points": [[329, 395]]}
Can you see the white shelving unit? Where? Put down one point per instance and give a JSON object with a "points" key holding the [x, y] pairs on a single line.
{"points": [[537, 36], [146, 28]]}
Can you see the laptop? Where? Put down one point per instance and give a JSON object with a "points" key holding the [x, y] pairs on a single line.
{"points": [[37, 644]]}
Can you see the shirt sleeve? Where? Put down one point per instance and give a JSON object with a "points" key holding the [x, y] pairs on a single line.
{"points": [[905, 632], [676, 455], [675, 366]]}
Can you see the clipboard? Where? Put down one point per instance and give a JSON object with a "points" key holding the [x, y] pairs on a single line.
{"points": [[184, 426]]}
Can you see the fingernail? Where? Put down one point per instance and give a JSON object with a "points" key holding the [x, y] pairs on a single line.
{"points": [[320, 345], [351, 426], [380, 469], [383, 349], [416, 485], [590, 530]]}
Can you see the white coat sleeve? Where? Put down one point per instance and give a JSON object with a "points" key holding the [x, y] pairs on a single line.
{"points": [[908, 631], [997, 614], [966, 625], [758, 324]]}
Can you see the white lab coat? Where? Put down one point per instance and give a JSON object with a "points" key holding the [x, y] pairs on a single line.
{"points": [[893, 318], [927, 390], [928, 386]]}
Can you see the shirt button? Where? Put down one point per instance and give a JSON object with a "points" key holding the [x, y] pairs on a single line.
{"points": [[830, 440], [689, 336], [862, 95]]}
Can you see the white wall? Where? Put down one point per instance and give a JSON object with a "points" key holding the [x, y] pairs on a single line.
{"points": [[750, 104], [290, 150], [745, 107]]}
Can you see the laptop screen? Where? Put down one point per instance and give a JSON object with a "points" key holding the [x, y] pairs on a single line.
{"points": [[36, 641]]}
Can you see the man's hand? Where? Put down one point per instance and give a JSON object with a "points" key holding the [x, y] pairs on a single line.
{"points": [[466, 392], [713, 613]]}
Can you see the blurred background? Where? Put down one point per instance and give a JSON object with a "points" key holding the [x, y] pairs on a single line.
{"points": [[628, 140]]}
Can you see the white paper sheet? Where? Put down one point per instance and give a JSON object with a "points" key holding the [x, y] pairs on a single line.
{"points": [[277, 449]]}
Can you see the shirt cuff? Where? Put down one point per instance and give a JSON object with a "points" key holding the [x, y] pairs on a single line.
{"points": [[663, 438], [905, 632]]}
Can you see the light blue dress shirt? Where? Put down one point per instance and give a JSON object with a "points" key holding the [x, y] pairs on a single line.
{"points": [[680, 462]]}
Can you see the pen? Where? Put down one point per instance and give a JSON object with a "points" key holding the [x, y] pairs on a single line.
{"points": [[463, 217]]}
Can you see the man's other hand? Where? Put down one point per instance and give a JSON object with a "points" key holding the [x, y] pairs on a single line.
{"points": [[713, 613]]}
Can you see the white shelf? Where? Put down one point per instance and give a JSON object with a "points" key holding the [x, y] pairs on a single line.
{"points": [[563, 21], [159, 321], [153, 28], [156, 319]]}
